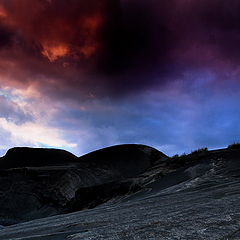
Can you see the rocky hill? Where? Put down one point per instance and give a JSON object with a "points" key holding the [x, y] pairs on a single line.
{"points": [[46, 182], [121, 192]]}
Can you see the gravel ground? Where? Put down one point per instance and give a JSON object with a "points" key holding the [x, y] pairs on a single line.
{"points": [[204, 206]]}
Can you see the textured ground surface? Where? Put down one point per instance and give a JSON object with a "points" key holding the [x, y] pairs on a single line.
{"points": [[199, 202], [36, 183]]}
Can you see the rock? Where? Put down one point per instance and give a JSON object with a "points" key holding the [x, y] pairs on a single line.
{"points": [[190, 197], [35, 157], [195, 197], [46, 182]]}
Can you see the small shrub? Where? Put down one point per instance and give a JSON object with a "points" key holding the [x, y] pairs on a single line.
{"points": [[178, 157], [183, 155], [234, 146], [186, 158], [199, 151]]}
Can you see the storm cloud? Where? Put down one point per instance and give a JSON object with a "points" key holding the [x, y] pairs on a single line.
{"points": [[117, 71], [112, 47]]}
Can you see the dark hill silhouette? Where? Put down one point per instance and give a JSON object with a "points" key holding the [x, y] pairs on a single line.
{"points": [[35, 157], [128, 159], [46, 181], [137, 191]]}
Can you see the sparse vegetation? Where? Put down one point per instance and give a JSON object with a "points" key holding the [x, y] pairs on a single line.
{"points": [[175, 156], [234, 146], [187, 158], [199, 151]]}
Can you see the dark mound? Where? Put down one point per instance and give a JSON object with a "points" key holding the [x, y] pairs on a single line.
{"points": [[35, 157], [194, 196], [129, 160], [37, 183]]}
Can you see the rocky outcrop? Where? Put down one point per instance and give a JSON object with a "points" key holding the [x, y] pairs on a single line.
{"points": [[195, 197], [46, 182], [35, 157]]}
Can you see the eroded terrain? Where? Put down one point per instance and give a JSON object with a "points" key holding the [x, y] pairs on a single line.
{"points": [[198, 201]]}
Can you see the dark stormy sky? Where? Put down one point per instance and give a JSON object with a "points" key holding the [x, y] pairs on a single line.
{"points": [[83, 75]]}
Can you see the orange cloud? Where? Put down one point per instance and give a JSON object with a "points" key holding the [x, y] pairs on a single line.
{"points": [[55, 51], [58, 46], [75, 45], [3, 13], [60, 29], [91, 26]]}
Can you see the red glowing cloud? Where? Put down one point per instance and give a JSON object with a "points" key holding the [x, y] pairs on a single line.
{"points": [[57, 28], [113, 47]]}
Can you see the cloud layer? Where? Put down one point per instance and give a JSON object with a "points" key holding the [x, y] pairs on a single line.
{"points": [[86, 74], [112, 47]]}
